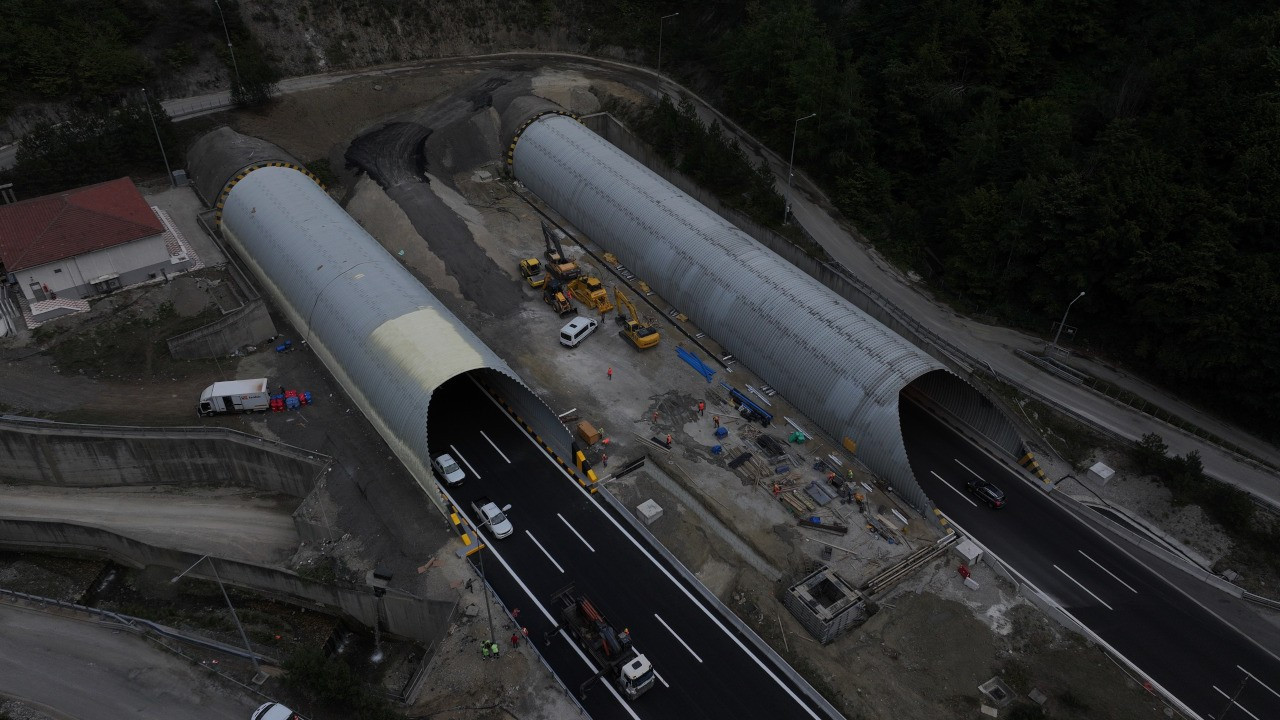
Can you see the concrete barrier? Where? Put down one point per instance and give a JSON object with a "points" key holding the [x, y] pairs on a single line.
{"points": [[422, 619], [37, 452], [249, 324]]}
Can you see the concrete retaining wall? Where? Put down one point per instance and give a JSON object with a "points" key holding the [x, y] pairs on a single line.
{"points": [[249, 324], [45, 453], [420, 619]]}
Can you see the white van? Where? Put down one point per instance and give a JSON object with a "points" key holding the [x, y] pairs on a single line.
{"points": [[273, 711], [576, 331]]}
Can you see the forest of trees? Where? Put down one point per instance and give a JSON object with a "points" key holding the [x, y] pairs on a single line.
{"points": [[1017, 153]]}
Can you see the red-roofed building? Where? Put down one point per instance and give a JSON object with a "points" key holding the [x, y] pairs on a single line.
{"points": [[83, 242]]}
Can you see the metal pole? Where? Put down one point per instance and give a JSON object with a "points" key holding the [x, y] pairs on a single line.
{"points": [[1064, 319], [245, 638], [660, 21], [488, 603], [230, 49], [167, 171], [786, 206]]}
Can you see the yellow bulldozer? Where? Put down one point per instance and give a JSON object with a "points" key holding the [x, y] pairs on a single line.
{"points": [[642, 335], [591, 292]]}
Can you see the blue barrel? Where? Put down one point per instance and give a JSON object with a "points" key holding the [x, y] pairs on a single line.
{"points": [[716, 449], [722, 432]]}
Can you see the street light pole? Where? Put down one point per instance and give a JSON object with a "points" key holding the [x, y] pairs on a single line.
{"points": [[163, 156], [661, 20], [253, 657], [1064, 319], [786, 207], [230, 49]]}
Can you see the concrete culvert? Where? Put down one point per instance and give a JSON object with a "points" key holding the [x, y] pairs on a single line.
{"points": [[842, 368], [390, 343]]}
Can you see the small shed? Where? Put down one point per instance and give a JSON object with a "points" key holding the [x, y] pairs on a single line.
{"points": [[1100, 473]]}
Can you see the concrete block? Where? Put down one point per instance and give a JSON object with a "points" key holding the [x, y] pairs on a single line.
{"points": [[649, 511], [1100, 473], [971, 583], [990, 711], [1037, 697], [969, 552]]}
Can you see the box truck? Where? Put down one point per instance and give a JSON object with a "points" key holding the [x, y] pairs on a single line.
{"points": [[231, 396]]}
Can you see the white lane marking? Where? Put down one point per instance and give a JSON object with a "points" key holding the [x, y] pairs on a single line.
{"points": [[544, 551], [1082, 587], [575, 532], [661, 679], [953, 489], [643, 551], [1095, 562], [1233, 702], [533, 599], [966, 467], [677, 637], [495, 447], [1255, 679], [464, 461]]}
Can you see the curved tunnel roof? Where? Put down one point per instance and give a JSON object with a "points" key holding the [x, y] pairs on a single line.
{"points": [[386, 338], [833, 361]]}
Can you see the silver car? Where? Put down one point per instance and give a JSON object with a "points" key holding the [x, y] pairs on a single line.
{"points": [[447, 468]]}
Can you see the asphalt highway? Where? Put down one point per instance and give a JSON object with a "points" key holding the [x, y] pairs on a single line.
{"points": [[1180, 645], [564, 535]]}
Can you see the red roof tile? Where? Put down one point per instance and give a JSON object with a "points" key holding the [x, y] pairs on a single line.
{"points": [[55, 227]]}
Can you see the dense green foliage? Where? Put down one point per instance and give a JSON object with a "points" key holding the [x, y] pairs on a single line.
{"points": [[710, 158], [99, 142], [332, 682], [1016, 153]]}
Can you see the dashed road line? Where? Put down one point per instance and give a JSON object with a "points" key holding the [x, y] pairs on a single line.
{"points": [[544, 551], [1095, 562], [953, 489], [495, 447], [464, 461], [1082, 587], [575, 532], [677, 637]]}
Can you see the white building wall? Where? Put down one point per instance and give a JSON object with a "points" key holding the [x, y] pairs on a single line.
{"points": [[134, 262]]}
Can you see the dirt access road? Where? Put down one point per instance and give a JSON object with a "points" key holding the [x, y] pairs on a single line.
{"points": [[89, 672]]}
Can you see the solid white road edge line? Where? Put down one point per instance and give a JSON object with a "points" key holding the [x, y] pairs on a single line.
{"points": [[575, 532], [1243, 709], [495, 447], [1082, 587], [944, 482], [705, 610], [1255, 679], [532, 598], [544, 551], [1095, 562], [464, 461], [677, 637]]}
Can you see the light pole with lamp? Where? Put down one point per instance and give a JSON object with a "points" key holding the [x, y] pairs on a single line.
{"points": [[234, 67], [245, 638], [488, 604], [1064, 318], [163, 156], [661, 20], [786, 207]]}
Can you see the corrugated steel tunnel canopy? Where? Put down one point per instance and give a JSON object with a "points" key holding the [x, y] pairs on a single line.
{"points": [[834, 362], [384, 336]]}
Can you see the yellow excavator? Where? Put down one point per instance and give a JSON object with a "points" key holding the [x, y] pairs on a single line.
{"points": [[591, 292], [639, 333], [559, 266]]}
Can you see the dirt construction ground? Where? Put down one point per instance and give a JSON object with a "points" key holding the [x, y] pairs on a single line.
{"points": [[922, 656]]}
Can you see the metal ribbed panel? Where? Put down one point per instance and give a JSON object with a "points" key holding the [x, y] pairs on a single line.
{"points": [[839, 366], [388, 340]]}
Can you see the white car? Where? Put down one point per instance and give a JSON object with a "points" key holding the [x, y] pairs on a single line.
{"points": [[447, 468], [488, 513]]}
